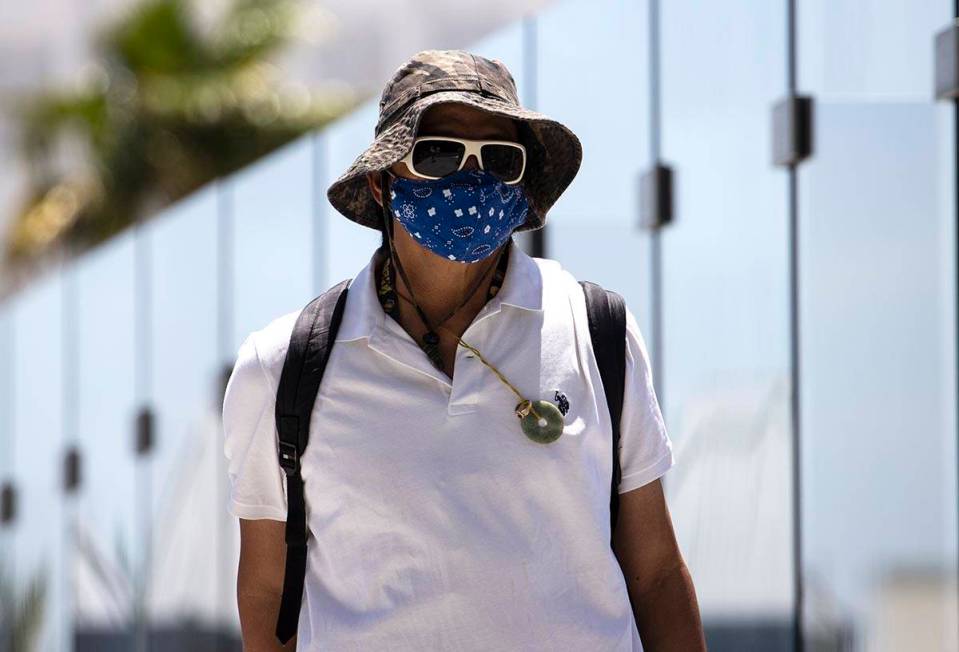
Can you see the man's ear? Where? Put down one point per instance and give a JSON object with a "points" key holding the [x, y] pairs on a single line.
{"points": [[373, 180]]}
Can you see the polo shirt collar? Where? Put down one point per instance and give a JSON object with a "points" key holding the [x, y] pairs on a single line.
{"points": [[522, 288]]}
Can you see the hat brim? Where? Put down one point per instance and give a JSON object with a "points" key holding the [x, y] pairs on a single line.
{"points": [[551, 163]]}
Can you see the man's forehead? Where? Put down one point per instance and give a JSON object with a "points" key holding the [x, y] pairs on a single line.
{"points": [[460, 120]]}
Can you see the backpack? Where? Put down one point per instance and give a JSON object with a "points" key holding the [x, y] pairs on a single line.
{"points": [[309, 349]]}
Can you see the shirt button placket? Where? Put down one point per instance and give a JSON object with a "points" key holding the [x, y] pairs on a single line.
{"points": [[463, 392]]}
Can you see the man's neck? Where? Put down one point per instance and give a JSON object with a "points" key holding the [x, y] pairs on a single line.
{"points": [[439, 285]]}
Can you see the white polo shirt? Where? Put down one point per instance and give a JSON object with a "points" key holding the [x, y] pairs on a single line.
{"points": [[434, 523]]}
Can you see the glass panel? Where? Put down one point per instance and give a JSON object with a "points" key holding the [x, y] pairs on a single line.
{"points": [[107, 533], [607, 106], [884, 54], [271, 204], [7, 398], [877, 217], [7, 345], [191, 590], [725, 317], [592, 229], [37, 555]]}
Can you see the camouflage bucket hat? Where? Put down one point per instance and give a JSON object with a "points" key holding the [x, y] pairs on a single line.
{"points": [[433, 77]]}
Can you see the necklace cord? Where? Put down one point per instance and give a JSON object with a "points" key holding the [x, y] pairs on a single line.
{"points": [[525, 406], [384, 191], [486, 274]]}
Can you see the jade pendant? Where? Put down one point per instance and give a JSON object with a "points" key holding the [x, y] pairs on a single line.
{"points": [[545, 428]]}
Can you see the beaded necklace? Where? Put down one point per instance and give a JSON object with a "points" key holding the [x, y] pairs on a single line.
{"points": [[541, 421], [387, 293]]}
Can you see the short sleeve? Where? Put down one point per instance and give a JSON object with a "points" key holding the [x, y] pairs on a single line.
{"points": [[257, 483], [646, 452]]}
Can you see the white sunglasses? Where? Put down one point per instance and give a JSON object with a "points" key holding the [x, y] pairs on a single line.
{"points": [[434, 157]]}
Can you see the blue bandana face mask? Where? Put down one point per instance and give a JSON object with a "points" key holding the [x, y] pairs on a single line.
{"points": [[464, 216]]}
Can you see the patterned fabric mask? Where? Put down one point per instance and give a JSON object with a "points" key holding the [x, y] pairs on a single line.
{"points": [[464, 216]]}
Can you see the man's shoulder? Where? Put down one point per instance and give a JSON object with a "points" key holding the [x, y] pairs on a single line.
{"points": [[272, 340], [556, 278]]}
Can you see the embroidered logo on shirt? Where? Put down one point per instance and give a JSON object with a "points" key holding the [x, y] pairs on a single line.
{"points": [[561, 402]]}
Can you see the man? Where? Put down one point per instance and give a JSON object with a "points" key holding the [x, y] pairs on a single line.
{"points": [[457, 472]]}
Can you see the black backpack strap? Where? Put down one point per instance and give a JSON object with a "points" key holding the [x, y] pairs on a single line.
{"points": [[607, 331], [309, 349]]}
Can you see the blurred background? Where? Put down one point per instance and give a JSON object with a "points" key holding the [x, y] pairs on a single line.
{"points": [[772, 184]]}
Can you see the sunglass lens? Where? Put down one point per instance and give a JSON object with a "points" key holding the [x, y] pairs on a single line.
{"points": [[437, 158], [504, 161]]}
